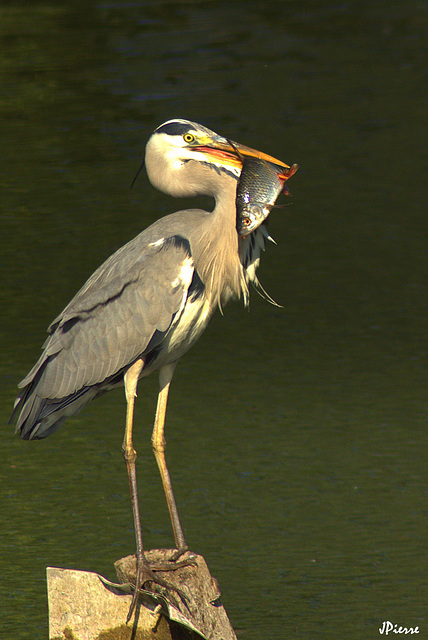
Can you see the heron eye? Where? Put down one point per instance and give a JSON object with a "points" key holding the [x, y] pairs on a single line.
{"points": [[188, 137]]}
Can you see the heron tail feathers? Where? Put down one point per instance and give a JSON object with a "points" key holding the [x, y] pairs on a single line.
{"points": [[39, 417]]}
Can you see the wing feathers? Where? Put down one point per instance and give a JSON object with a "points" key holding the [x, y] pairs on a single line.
{"points": [[113, 317]]}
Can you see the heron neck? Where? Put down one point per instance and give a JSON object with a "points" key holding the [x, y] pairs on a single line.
{"points": [[219, 264]]}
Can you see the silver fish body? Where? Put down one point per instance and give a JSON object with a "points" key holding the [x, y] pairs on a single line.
{"points": [[259, 185]]}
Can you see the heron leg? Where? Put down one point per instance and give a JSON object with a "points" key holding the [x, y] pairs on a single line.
{"points": [[145, 571], [129, 453], [158, 444]]}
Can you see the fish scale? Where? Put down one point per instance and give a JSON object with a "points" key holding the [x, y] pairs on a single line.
{"points": [[259, 185]]}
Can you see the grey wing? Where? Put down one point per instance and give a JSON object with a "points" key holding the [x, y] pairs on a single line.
{"points": [[125, 308]]}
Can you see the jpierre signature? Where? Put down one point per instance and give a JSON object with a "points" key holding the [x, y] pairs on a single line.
{"points": [[390, 627]]}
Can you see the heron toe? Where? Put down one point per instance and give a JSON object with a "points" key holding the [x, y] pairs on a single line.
{"points": [[146, 576]]}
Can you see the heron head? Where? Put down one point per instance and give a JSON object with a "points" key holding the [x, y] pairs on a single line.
{"points": [[178, 147]]}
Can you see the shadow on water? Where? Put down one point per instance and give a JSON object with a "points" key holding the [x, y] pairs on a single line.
{"points": [[296, 435]]}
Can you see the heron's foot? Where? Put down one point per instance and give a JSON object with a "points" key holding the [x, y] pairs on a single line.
{"points": [[146, 577], [173, 562], [179, 552]]}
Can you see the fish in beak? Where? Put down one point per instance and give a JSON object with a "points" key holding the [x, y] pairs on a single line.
{"points": [[262, 179], [233, 153]]}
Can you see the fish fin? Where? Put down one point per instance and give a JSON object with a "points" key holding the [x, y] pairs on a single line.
{"points": [[281, 206], [289, 172]]}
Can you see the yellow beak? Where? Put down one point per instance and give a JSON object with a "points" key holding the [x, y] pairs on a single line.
{"points": [[233, 154], [242, 150]]}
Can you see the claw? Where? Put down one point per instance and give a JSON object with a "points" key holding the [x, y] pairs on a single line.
{"points": [[146, 574]]}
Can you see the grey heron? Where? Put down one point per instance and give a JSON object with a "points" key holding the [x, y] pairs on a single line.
{"points": [[149, 302]]}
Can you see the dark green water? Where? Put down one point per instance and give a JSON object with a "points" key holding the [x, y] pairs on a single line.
{"points": [[296, 436]]}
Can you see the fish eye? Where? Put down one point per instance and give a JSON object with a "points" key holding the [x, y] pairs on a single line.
{"points": [[188, 137]]}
